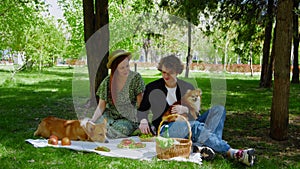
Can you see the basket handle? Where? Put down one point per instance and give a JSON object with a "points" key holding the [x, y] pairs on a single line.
{"points": [[182, 117]]}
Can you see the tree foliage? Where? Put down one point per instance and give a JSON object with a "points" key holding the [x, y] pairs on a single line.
{"points": [[73, 23], [27, 29], [245, 21]]}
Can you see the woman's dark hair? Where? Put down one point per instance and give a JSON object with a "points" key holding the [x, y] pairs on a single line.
{"points": [[113, 68], [115, 64]]}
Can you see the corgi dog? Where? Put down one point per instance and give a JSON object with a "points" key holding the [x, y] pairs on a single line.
{"points": [[73, 129], [192, 100]]}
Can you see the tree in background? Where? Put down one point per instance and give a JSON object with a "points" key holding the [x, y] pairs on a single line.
{"points": [[295, 77], [280, 103], [73, 24], [190, 10], [243, 20], [42, 45], [267, 61], [30, 32]]}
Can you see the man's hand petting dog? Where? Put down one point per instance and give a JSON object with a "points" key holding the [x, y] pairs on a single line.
{"points": [[179, 109], [189, 106]]}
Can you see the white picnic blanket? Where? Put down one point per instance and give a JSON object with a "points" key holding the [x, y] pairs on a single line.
{"points": [[146, 153]]}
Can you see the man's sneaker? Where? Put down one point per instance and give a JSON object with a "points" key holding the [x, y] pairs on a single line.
{"points": [[245, 156], [206, 153]]}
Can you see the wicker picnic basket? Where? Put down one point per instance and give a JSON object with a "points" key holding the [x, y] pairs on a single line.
{"points": [[183, 149]]}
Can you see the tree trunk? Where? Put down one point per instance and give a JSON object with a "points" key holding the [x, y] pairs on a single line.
{"points": [[188, 58], [89, 21], [226, 64], [96, 36], [250, 59], [295, 77], [101, 25], [279, 111], [268, 81], [266, 46], [146, 47]]}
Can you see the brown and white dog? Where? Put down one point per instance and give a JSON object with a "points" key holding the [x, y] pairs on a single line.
{"points": [[192, 100], [74, 129]]}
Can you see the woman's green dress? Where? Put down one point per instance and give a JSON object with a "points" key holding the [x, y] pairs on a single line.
{"points": [[121, 116]]}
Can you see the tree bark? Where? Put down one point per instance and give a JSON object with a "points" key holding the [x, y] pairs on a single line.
{"points": [[88, 16], [279, 111], [146, 47], [188, 58], [295, 76], [266, 46], [250, 59], [96, 35], [268, 81], [102, 19]]}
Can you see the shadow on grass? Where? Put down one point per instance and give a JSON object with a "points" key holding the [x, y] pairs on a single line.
{"points": [[248, 129], [22, 106]]}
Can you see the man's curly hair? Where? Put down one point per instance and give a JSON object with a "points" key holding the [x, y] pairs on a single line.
{"points": [[171, 62]]}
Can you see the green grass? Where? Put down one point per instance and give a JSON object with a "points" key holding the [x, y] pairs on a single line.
{"points": [[27, 97]]}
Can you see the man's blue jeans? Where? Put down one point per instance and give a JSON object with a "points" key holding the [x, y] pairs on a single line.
{"points": [[206, 130]]}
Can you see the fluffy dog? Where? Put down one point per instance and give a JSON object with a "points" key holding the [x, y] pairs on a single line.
{"points": [[71, 128], [192, 100]]}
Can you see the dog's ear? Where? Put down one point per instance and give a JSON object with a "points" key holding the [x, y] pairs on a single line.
{"points": [[90, 127], [199, 91]]}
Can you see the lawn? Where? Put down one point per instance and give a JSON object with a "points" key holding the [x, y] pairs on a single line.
{"points": [[27, 97]]}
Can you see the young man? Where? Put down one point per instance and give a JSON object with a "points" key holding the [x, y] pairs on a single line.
{"points": [[207, 129]]}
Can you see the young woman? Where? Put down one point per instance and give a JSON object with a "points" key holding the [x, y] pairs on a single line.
{"points": [[120, 94], [207, 129]]}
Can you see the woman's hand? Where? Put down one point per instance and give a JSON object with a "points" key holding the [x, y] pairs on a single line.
{"points": [[179, 109], [92, 120], [99, 110], [144, 126]]}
